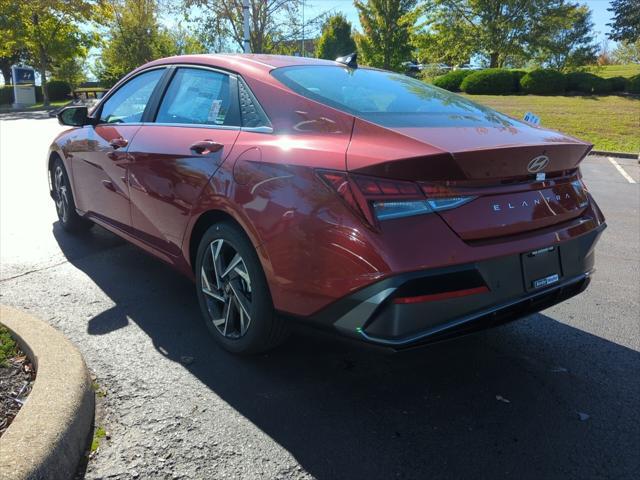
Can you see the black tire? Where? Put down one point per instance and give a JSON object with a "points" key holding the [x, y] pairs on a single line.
{"points": [[243, 289], [63, 198]]}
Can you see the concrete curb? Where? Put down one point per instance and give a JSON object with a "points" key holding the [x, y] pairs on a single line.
{"points": [[49, 436], [605, 153]]}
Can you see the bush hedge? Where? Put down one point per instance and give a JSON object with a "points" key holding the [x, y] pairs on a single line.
{"points": [[452, 80], [6, 94], [517, 76], [589, 83], [543, 82], [617, 84], [490, 81], [633, 84], [58, 90]]}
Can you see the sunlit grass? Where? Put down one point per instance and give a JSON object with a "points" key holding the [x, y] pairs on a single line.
{"points": [[608, 71], [609, 122]]}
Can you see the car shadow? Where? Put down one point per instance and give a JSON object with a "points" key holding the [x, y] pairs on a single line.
{"points": [[533, 399]]}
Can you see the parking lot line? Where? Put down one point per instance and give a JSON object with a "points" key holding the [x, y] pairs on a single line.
{"points": [[621, 170]]}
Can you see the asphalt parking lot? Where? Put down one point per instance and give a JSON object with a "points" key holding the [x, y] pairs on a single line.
{"points": [[555, 395]]}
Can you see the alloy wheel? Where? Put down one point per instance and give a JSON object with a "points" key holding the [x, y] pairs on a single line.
{"points": [[226, 286], [61, 194]]}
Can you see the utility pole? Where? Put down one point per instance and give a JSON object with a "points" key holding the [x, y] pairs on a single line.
{"points": [[246, 46], [302, 53]]}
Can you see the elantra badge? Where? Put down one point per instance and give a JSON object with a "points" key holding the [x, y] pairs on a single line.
{"points": [[538, 164]]}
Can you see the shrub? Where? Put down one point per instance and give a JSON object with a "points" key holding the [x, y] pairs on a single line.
{"points": [[543, 82], [452, 80], [6, 94], [489, 81], [587, 83], [617, 84], [58, 90], [517, 76], [633, 84]]}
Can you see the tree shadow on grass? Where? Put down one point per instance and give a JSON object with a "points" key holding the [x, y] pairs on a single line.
{"points": [[504, 403]]}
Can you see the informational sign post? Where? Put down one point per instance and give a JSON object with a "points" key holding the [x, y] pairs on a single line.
{"points": [[24, 86]]}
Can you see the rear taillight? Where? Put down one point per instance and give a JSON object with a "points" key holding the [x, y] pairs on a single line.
{"points": [[382, 199]]}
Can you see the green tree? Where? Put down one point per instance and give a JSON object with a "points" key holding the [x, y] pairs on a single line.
{"points": [[71, 71], [626, 20], [185, 43], [335, 39], [270, 20], [11, 51], [134, 38], [627, 52], [503, 31], [387, 28], [446, 41], [49, 31], [569, 41]]}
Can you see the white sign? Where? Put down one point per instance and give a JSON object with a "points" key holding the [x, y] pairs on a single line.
{"points": [[531, 118], [24, 86]]}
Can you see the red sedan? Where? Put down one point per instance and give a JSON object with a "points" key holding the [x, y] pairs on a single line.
{"points": [[354, 199]]}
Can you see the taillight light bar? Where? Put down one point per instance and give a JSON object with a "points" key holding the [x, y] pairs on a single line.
{"points": [[380, 199]]}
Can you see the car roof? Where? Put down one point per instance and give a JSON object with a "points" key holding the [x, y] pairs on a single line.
{"points": [[241, 62]]}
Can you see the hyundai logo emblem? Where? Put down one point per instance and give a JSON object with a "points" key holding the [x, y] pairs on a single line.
{"points": [[538, 164]]}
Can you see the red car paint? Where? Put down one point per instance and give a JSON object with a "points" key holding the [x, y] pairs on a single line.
{"points": [[153, 191]]}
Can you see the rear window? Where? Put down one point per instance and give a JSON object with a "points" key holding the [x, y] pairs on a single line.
{"points": [[384, 97]]}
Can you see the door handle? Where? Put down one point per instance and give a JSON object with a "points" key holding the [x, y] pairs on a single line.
{"points": [[119, 142], [205, 147]]}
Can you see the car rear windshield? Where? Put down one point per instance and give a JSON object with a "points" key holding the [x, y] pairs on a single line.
{"points": [[384, 97]]}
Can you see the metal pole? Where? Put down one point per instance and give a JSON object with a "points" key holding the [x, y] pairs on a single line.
{"points": [[246, 46], [302, 54]]}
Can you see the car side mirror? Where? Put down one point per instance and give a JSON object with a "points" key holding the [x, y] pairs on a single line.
{"points": [[75, 116]]}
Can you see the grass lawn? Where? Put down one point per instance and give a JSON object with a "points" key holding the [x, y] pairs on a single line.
{"points": [[37, 106], [609, 122], [8, 347], [608, 71]]}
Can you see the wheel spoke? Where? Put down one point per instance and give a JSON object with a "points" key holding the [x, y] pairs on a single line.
{"points": [[234, 262], [241, 270], [227, 313], [243, 302], [243, 323], [206, 287], [215, 258]]}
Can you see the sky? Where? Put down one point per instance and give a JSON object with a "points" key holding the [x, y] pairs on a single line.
{"points": [[600, 15]]}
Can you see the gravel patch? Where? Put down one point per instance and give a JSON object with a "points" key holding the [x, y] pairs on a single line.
{"points": [[17, 375]]}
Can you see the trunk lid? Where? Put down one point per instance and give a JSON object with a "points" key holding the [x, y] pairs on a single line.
{"points": [[488, 156]]}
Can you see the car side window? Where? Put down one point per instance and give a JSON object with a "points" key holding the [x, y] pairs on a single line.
{"points": [[127, 104], [197, 96], [252, 114]]}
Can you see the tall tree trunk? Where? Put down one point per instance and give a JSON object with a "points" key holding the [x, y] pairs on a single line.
{"points": [[6, 73], [45, 89], [43, 78], [493, 59]]}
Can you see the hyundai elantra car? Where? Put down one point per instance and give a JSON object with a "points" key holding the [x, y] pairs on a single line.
{"points": [[353, 199]]}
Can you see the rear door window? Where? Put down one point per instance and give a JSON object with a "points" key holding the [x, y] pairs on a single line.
{"points": [[199, 97]]}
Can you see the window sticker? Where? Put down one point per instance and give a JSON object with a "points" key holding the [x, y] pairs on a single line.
{"points": [[214, 111]]}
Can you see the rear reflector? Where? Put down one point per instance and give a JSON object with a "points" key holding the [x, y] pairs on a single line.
{"points": [[441, 296]]}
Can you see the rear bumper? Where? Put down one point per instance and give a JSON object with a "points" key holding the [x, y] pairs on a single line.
{"points": [[495, 292]]}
